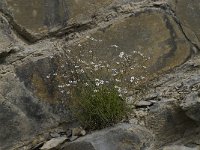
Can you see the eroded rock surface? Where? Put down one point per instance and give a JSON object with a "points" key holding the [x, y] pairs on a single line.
{"points": [[128, 55], [6, 38], [134, 47], [40, 17], [191, 106], [121, 137], [187, 12], [177, 98]]}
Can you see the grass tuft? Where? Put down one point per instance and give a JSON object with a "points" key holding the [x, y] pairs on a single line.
{"points": [[98, 107]]}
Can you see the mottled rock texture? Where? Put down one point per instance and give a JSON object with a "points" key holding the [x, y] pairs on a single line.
{"points": [[187, 11], [121, 137], [6, 36], [45, 44]]}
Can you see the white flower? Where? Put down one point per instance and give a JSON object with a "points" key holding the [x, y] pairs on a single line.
{"points": [[117, 80], [97, 83], [47, 77], [93, 39], [76, 66], [101, 82], [121, 54], [96, 80], [82, 71], [132, 79], [116, 87], [114, 46], [68, 85], [107, 65], [60, 86], [96, 67], [144, 67]]}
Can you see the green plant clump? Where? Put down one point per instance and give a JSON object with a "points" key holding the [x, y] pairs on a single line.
{"points": [[98, 107]]}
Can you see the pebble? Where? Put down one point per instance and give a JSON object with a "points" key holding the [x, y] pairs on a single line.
{"points": [[143, 104], [78, 132], [53, 143], [54, 135], [73, 138]]}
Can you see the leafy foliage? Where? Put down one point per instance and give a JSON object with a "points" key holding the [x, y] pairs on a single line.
{"points": [[98, 107]]}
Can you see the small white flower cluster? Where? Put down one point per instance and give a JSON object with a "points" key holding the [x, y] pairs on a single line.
{"points": [[121, 55], [115, 46], [73, 82], [121, 90], [118, 88], [99, 82], [93, 39], [132, 79], [53, 74]]}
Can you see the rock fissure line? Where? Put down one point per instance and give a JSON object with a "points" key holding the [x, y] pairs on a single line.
{"points": [[93, 24], [29, 38], [162, 61], [178, 22], [3, 55], [21, 32]]}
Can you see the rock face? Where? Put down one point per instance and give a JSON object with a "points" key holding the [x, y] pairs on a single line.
{"points": [[53, 143], [170, 119], [123, 41], [180, 148], [38, 16], [187, 12], [6, 36], [129, 53], [191, 106], [140, 48], [122, 137], [175, 109], [21, 113], [43, 16]]}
